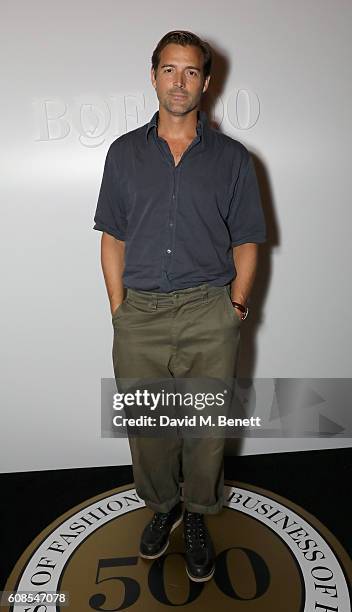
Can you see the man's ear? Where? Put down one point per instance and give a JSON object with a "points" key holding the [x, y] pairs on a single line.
{"points": [[206, 83], [152, 77]]}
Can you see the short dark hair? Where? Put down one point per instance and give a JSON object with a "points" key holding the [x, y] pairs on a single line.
{"points": [[184, 38]]}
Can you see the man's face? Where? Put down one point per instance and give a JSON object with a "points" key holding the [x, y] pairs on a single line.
{"points": [[179, 81]]}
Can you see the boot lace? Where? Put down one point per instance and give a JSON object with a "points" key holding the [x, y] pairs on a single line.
{"points": [[159, 520], [195, 531]]}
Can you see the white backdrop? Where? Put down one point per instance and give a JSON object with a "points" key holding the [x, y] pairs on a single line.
{"points": [[75, 76]]}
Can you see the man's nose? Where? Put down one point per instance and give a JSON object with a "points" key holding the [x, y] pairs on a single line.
{"points": [[179, 80]]}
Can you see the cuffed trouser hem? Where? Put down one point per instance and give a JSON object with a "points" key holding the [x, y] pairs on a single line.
{"points": [[215, 509], [164, 507]]}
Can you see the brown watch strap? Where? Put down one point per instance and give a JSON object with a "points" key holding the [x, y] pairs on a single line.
{"points": [[243, 309], [239, 306]]}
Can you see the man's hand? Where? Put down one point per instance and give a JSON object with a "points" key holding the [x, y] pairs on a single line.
{"points": [[114, 308]]}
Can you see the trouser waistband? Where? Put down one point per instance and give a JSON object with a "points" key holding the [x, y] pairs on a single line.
{"points": [[152, 299]]}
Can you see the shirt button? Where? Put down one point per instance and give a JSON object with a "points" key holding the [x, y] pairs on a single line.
{"points": [[168, 251], [171, 224], [173, 196]]}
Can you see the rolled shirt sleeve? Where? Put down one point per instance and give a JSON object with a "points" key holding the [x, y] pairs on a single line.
{"points": [[109, 215], [245, 220]]}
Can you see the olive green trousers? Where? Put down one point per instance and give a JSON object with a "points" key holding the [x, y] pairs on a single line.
{"points": [[192, 332]]}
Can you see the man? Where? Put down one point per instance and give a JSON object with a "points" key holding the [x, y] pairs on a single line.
{"points": [[181, 217]]}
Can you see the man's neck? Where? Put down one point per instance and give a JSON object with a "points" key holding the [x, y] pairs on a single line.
{"points": [[177, 127]]}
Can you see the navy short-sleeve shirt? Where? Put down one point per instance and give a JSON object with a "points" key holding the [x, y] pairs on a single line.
{"points": [[179, 223]]}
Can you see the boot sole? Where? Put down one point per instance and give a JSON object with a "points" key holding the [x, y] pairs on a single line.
{"points": [[198, 579], [161, 552]]}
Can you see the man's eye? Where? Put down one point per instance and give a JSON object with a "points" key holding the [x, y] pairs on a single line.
{"points": [[192, 73]]}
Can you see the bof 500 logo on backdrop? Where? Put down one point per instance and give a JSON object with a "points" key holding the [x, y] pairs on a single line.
{"points": [[95, 118], [271, 556]]}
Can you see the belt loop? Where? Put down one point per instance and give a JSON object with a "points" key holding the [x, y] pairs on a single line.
{"points": [[154, 302], [205, 294]]}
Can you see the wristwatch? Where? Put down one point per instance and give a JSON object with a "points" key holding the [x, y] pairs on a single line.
{"points": [[243, 309]]}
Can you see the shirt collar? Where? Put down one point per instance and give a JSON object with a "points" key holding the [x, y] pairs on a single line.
{"points": [[202, 120]]}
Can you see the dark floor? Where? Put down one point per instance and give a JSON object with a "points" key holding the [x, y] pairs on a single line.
{"points": [[312, 479]]}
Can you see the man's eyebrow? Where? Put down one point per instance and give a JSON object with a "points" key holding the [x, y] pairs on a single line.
{"points": [[173, 66]]}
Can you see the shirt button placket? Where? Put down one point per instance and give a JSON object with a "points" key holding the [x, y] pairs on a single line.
{"points": [[172, 209], [171, 223]]}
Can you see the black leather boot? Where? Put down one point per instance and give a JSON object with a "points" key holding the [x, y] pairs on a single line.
{"points": [[200, 553], [155, 536]]}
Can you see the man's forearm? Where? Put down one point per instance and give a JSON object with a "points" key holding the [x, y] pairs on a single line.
{"points": [[245, 258], [113, 262]]}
